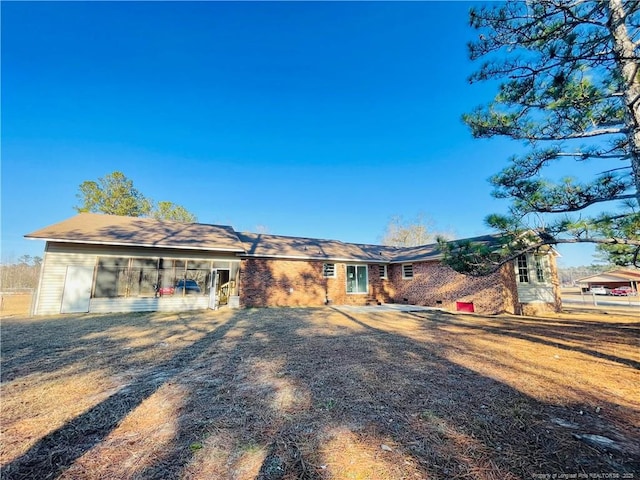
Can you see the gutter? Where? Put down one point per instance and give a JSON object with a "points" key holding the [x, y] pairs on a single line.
{"points": [[147, 245]]}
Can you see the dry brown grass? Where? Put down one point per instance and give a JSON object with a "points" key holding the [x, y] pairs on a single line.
{"points": [[15, 304], [318, 394]]}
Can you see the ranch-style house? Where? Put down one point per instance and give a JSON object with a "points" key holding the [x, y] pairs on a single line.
{"points": [[107, 263]]}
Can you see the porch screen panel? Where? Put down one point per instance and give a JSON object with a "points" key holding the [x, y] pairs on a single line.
{"points": [[179, 271], [169, 272], [149, 277], [143, 277], [200, 271], [235, 279], [111, 277]]}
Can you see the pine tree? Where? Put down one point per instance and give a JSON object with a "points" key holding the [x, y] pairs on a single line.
{"points": [[570, 92]]}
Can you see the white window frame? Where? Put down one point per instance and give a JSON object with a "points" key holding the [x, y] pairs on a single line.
{"points": [[543, 269], [532, 269], [382, 269], [522, 269], [329, 272], [541, 274], [404, 271], [346, 285]]}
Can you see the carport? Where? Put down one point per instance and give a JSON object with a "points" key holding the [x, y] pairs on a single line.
{"points": [[612, 279]]}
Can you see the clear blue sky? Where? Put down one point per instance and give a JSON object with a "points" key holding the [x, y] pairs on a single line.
{"points": [[307, 119]]}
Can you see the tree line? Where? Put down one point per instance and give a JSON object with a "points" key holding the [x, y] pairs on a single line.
{"points": [[569, 275], [21, 273]]}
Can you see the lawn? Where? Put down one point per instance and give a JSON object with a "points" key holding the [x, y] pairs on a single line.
{"points": [[320, 394]]}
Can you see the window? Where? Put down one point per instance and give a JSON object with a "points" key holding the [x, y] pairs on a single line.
{"points": [[541, 268], [407, 271], [357, 281], [329, 270], [523, 269], [383, 271]]}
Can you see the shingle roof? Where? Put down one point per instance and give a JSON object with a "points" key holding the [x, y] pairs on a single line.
{"points": [[432, 251], [263, 245], [118, 230], [136, 231]]}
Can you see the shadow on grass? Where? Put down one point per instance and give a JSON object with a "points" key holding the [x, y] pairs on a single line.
{"points": [[555, 333], [58, 450], [295, 382], [48, 345], [443, 420]]}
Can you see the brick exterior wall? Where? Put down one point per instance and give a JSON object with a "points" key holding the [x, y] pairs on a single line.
{"points": [[268, 282], [436, 285], [276, 283], [508, 277], [292, 283], [555, 278]]}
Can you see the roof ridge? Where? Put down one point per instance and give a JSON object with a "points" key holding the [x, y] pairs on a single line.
{"points": [[152, 219], [107, 229]]}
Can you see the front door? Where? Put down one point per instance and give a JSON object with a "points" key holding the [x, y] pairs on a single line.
{"points": [[77, 290], [224, 286]]}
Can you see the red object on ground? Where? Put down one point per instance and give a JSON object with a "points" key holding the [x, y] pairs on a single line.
{"points": [[464, 307]]}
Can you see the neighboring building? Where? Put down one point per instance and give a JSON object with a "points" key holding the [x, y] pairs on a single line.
{"points": [[620, 277], [105, 263]]}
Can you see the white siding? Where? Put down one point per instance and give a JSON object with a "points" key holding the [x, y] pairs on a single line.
{"points": [[164, 304], [60, 255], [535, 291], [52, 280]]}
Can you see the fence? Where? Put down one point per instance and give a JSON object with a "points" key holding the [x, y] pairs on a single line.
{"points": [[16, 301]]}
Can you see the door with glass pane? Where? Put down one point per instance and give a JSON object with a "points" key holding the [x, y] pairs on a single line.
{"points": [[224, 285], [357, 281]]}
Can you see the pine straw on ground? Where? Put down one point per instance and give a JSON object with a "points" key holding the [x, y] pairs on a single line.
{"points": [[273, 394]]}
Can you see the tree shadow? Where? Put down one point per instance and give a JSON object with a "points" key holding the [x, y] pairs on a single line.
{"points": [[58, 450], [286, 383], [557, 333], [450, 421], [51, 344]]}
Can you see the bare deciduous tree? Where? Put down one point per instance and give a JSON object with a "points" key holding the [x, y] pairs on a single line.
{"points": [[410, 233]]}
